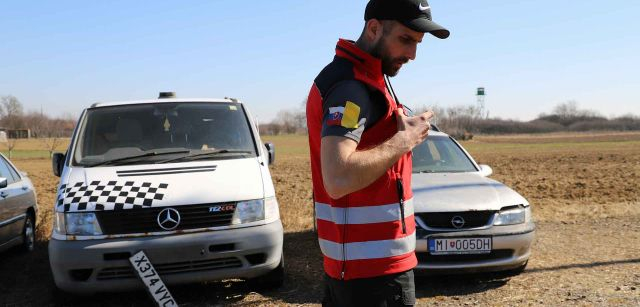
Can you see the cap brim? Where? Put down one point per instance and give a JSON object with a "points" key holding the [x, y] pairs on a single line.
{"points": [[425, 25]]}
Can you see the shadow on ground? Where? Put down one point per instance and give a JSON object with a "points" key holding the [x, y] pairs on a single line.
{"points": [[27, 280]]}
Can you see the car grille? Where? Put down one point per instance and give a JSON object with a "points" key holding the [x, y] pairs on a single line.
{"points": [[472, 219], [495, 254], [146, 220], [173, 268]]}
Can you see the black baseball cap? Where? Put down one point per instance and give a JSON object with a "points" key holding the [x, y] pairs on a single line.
{"points": [[415, 14]]}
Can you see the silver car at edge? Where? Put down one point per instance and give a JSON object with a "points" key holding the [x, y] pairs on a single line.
{"points": [[465, 222], [18, 208]]}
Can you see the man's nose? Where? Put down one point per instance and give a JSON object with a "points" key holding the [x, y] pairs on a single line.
{"points": [[411, 53]]}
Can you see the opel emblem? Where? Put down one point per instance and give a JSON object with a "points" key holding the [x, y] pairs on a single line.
{"points": [[457, 222], [169, 219]]}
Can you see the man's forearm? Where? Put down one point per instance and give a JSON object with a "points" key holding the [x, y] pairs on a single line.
{"points": [[357, 169]]}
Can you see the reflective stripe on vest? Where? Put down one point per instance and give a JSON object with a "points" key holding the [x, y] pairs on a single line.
{"points": [[363, 215], [369, 249]]}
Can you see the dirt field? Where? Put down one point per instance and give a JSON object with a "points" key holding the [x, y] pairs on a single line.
{"points": [[584, 193]]}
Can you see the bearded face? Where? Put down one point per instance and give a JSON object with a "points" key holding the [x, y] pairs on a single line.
{"points": [[390, 64], [396, 46]]}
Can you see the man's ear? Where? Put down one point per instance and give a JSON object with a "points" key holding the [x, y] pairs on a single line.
{"points": [[374, 30]]}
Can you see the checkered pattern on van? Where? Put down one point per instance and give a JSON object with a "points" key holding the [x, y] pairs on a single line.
{"points": [[109, 195]]}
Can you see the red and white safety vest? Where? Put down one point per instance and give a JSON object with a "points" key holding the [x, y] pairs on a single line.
{"points": [[370, 232]]}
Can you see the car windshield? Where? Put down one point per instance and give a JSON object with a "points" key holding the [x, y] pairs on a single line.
{"points": [[153, 133], [440, 154]]}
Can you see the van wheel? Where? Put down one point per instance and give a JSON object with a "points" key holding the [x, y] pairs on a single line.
{"points": [[272, 280], [28, 234]]}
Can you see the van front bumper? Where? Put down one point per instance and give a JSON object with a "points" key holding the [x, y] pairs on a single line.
{"points": [[90, 266]]}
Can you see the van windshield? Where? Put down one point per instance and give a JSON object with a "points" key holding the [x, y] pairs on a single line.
{"points": [[163, 132]]}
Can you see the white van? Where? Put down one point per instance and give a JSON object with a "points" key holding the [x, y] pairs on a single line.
{"points": [[184, 180]]}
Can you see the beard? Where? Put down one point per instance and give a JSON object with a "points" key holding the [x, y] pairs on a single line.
{"points": [[390, 65]]}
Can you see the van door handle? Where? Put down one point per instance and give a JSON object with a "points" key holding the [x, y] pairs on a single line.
{"points": [[4, 194], [25, 188]]}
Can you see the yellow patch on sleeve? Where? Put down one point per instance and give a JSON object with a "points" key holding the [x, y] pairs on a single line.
{"points": [[351, 115]]}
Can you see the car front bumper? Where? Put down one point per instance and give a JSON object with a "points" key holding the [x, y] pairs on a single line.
{"points": [[511, 249], [90, 266]]}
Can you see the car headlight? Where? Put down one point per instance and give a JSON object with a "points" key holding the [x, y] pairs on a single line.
{"points": [[248, 211], [77, 224], [510, 216]]}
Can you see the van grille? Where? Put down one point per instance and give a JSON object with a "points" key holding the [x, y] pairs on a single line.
{"points": [[472, 219], [173, 268], [146, 219]]}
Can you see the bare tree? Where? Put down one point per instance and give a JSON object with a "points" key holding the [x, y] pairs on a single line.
{"points": [[53, 135], [11, 112], [10, 144]]}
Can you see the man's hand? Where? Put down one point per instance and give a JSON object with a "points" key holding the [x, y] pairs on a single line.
{"points": [[412, 130], [346, 170]]}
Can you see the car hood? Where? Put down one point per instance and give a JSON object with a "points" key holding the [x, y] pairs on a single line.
{"points": [[450, 192], [159, 185]]}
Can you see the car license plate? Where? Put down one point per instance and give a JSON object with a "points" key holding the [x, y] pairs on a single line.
{"points": [[448, 246], [151, 280]]}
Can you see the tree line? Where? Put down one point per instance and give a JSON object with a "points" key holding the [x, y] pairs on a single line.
{"points": [[464, 121], [41, 125]]}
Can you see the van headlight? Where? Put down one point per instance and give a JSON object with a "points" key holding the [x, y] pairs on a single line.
{"points": [[77, 224], [510, 216], [248, 211], [256, 210]]}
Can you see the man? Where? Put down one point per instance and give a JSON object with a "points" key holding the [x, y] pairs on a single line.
{"points": [[360, 141]]}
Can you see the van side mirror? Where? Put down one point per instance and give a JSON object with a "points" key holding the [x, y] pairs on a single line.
{"points": [[485, 170], [57, 162], [3, 182], [271, 149]]}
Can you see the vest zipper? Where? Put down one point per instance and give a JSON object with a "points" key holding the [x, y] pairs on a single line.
{"points": [[344, 238], [401, 203]]}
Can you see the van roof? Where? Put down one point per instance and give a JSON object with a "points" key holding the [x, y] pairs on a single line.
{"points": [[164, 100]]}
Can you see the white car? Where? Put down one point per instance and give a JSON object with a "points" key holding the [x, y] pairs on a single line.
{"points": [[184, 180], [465, 221]]}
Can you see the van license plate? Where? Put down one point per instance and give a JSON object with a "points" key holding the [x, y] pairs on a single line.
{"points": [[151, 280], [448, 246]]}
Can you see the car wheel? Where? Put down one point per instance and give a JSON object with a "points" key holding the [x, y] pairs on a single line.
{"points": [[28, 234], [272, 280]]}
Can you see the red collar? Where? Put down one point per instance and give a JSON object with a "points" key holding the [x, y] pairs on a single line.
{"points": [[370, 66]]}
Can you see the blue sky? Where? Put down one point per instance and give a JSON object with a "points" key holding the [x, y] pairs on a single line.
{"points": [[62, 56]]}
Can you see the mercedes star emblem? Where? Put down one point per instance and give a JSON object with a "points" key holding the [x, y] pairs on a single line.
{"points": [[169, 219], [457, 221]]}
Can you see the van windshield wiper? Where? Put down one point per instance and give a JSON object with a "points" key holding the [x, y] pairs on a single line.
{"points": [[146, 154], [200, 155]]}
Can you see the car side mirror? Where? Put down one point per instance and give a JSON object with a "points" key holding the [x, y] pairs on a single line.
{"points": [[57, 162], [271, 149], [485, 170], [3, 182]]}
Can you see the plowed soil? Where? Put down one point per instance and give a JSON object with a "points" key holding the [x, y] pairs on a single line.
{"points": [[583, 189]]}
